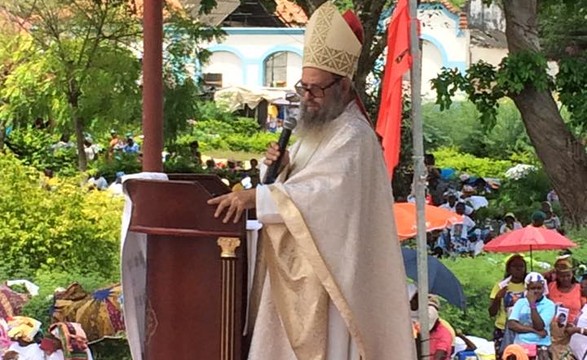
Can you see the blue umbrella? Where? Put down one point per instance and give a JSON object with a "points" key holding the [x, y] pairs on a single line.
{"points": [[441, 281]]}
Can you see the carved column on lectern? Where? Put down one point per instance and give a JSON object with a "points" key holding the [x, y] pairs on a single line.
{"points": [[228, 246]]}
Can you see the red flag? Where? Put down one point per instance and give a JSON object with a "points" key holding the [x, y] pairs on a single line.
{"points": [[398, 61]]}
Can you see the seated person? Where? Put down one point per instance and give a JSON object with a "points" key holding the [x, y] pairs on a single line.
{"points": [[551, 221], [458, 234], [441, 339], [510, 224], [531, 316]]}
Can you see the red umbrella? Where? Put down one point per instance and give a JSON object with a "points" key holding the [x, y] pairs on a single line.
{"points": [[529, 238]]}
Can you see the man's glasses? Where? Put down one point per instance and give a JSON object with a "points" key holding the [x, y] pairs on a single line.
{"points": [[314, 90]]}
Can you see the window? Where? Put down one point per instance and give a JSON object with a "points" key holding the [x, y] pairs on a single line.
{"points": [[276, 70]]}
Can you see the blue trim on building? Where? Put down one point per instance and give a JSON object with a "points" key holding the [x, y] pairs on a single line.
{"points": [[263, 31], [438, 45]]}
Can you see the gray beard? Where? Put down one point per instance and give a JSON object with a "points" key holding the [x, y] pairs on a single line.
{"points": [[314, 122]]}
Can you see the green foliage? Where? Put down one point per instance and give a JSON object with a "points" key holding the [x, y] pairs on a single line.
{"points": [[184, 37], [570, 84], [220, 130], [483, 167], [64, 228], [459, 127], [485, 84], [522, 196], [562, 27], [34, 148], [477, 276], [125, 162]]}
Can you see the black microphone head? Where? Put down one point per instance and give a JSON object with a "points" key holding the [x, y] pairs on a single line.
{"points": [[290, 123]]}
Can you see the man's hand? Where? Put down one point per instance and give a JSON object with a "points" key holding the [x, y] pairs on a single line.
{"points": [[542, 333], [272, 154], [235, 203]]}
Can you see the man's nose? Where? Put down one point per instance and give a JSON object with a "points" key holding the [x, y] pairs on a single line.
{"points": [[308, 95]]}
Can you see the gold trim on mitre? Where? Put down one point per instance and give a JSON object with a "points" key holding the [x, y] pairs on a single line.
{"points": [[330, 43]]}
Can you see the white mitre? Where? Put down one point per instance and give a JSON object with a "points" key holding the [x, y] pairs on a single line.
{"points": [[330, 43]]}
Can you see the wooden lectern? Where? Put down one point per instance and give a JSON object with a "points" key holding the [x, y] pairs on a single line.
{"points": [[196, 270]]}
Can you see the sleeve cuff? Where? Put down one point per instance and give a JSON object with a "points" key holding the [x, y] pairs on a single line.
{"points": [[267, 212]]}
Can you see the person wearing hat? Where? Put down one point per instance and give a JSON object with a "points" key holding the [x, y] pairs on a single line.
{"points": [[566, 293], [538, 218], [333, 285], [504, 295], [531, 316], [510, 223], [131, 146]]}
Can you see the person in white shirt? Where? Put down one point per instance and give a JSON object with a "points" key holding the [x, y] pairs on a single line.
{"points": [[459, 233], [451, 203]]}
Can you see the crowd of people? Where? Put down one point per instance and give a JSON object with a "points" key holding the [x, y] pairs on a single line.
{"points": [[465, 198], [541, 315], [536, 315]]}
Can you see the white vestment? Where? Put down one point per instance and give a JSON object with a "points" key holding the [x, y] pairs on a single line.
{"points": [[337, 183]]}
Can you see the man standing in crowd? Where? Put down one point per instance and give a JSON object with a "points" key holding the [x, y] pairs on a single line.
{"points": [[331, 282]]}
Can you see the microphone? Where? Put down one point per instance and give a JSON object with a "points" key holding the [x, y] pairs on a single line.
{"points": [[272, 171]]}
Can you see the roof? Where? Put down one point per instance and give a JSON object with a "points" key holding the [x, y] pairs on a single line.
{"points": [[290, 13]]}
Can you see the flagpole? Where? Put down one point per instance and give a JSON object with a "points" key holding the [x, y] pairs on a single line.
{"points": [[419, 179]]}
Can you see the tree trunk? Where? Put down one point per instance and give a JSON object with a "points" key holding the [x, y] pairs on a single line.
{"points": [[563, 156], [2, 136], [73, 98]]}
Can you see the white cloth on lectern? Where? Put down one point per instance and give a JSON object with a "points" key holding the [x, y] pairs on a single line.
{"points": [[134, 271]]}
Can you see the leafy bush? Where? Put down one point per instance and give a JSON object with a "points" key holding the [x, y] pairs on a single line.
{"points": [[467, 163], [522, 196], [33, 147], [459, 127], [242, 134], [64, 228], [125, 162]]}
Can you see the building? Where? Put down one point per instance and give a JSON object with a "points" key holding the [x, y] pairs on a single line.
{"points": [[271, 56]]}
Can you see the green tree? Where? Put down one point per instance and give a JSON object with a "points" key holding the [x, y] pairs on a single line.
{"points": [[523, 77], [182, 54], [78, 47]]}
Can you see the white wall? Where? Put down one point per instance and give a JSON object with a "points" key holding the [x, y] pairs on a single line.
{"points": [[227, 64], [445, 44], [253, 46], [431, 65]]}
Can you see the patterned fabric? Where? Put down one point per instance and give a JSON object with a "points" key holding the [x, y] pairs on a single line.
{"points": [[99, 313], [11, 302], [330, 43], [73, 340]]}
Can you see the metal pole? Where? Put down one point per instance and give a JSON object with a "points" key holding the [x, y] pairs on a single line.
{"points": [[419, 178], [153, 85]]}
